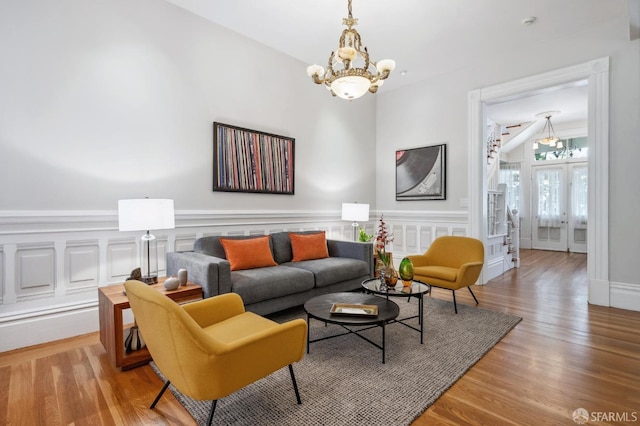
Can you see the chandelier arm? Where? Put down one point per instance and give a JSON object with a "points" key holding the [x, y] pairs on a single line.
{"points": [[365, 56]]}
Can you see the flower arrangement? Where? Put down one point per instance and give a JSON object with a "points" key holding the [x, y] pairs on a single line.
{"points": [[380, 246], [383, 238]]}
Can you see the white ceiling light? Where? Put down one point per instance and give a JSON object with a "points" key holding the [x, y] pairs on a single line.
{"points": [[550, 139]]}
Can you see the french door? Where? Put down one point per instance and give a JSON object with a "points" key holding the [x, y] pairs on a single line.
{"points": [[559, 207]]}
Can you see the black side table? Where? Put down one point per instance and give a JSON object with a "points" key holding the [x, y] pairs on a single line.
{"points": [[417, 289]]}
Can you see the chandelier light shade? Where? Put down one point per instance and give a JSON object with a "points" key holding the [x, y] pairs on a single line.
{"points": [[145, 215], [550, 139], [355, 213], [350, 73]]}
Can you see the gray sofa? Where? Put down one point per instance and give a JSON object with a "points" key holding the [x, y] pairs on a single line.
{"points": [[275, 288]]}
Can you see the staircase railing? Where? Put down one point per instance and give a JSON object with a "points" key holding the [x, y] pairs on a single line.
{"points": [[493, 156]]}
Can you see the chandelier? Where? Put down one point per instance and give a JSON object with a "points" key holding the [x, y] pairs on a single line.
{"points": [[550, 139], [351, 73]]}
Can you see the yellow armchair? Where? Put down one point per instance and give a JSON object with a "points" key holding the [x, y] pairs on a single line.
{"points": [[212, 348], [451, 263]]}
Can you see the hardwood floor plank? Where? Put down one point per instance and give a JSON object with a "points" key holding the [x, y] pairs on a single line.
{"points": [[48, 411], [5, 380], [21, 403], [565, 354]]}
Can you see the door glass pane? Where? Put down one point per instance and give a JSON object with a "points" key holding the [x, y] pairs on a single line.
{"points": [[579, 197], [510, 176], [549, 192], [571, 148]]}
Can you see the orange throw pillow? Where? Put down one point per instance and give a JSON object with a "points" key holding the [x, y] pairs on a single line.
{"points": [[308, 246], [248, 253]]}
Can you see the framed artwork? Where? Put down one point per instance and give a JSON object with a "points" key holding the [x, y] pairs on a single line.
{"points": [[251, 161], [421, 173]]}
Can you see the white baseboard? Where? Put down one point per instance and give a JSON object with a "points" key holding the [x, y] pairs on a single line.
{"points": [[48, 327], [495, 268], [625, 296]]}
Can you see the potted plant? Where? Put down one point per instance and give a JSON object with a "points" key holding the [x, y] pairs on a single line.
{"points": [[383, 240], [363, 237]]}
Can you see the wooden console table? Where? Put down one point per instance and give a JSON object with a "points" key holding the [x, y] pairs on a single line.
{"points": [[112, 301]]}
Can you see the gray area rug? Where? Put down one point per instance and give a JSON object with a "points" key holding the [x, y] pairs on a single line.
{"points": [[342, 381]]}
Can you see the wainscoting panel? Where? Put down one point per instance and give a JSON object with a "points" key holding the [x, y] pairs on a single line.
{"points": [[82, 265], [414, 231], [185, 242], [36, 275], [442, 231], [163, 248], [2, 268], [459, 232], [51, 264], [411, 239], [122, 258], [425, 238], [397, 231]]}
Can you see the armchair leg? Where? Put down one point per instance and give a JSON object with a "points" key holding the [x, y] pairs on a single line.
{"points": [[164, 388], [295, 385], [213, 410], [455, 306], [474, 296]]}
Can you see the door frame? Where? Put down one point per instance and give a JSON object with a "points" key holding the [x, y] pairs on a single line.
{"points": [[597, 74]]}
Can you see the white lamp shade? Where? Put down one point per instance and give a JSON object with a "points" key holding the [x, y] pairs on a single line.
{"points": [[350, 87], [315, 70], [386, 65], [145, 214], [355, 212]]}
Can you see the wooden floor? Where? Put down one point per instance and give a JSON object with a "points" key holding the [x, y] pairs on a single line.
{"points": [[564, 355]]}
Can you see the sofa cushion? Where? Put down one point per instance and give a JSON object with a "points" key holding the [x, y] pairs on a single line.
{"points": [[308, 246], [248, 253], [256, 285], [281, 244], [213, 247], [333, 270]]}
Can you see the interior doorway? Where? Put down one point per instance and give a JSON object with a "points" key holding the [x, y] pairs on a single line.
{"points": [[597, 74]]}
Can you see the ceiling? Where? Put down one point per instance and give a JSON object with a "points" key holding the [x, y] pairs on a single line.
{"points": [[424, 37]]}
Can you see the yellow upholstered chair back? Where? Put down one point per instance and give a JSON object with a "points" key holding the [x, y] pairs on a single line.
{"points": [[211, 348], [450, 263], [453, 252], [179, 346]]}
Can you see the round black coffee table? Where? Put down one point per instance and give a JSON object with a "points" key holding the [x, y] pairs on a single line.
{"points": [[320, 308]]}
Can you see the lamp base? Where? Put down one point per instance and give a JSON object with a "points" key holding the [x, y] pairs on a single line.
{"points": [[150, 279]]}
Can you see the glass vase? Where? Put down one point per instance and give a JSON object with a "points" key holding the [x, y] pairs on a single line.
{"points": [[406, 272], [390, 276]]}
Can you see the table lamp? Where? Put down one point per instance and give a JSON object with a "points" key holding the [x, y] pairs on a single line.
{"points": [[146, 215], [356, 213]]}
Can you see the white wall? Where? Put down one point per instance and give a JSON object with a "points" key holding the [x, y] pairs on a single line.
{"points": [[109, 100], [435, 111], [104, 100]]}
